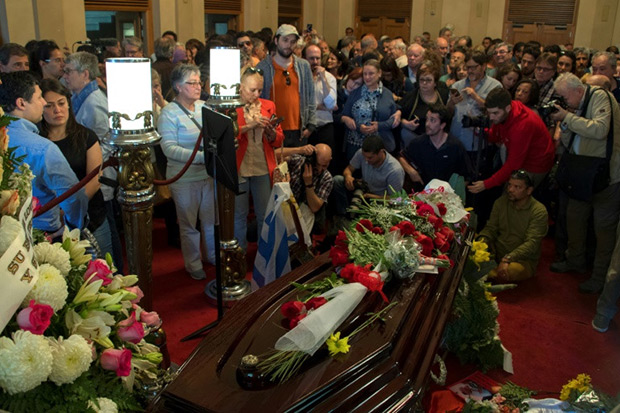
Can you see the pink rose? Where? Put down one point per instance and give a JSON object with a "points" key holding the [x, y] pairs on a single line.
{"points": [[137, 291], [117, 360], [131, 330], [151, 319], [100, 270], [35, 318]]}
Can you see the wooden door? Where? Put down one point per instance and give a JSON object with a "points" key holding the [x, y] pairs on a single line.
{"points": [[546, 21], [380, 26]]}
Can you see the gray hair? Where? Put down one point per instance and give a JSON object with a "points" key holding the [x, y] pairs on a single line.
{"points": [[164, 48], [508, 45], [132, 41], [400, 45], [582, 50], [181, 73], [611, 58], [347, 40], [84, 61], [569, 81]]}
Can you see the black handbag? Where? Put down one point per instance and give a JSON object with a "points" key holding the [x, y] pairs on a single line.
{"points": [[580, 176]]}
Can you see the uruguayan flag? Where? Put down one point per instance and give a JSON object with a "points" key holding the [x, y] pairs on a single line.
{"points": [[272, 259]]}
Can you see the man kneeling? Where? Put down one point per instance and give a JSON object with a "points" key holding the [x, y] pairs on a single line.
{"points": [[515, 229]]}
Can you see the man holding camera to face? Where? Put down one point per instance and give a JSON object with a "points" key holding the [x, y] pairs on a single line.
{"points": [[590, 134]]}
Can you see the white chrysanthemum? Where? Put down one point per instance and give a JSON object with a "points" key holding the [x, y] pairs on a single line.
{"points": [[9, 229], [50, 288], [53, 254], [105, 405], [25, 361], [72, 357]]}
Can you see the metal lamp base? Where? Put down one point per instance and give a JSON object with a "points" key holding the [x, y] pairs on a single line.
{"points": [[230, 294]]}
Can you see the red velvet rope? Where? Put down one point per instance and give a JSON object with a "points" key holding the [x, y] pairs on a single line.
{"points": [[113, 162]]}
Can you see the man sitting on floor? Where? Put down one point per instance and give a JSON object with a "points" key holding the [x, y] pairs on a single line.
{"points": [[515, 229]]}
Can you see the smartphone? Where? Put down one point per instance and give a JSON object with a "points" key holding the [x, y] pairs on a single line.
{"points": [[454, 92], [309, 27], [276, 121]]}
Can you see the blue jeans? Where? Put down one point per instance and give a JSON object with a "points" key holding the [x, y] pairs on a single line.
{"points": [[103, 235], [260, 187]]}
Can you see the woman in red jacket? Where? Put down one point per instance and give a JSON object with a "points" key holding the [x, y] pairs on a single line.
{"points": [[259, 134]]}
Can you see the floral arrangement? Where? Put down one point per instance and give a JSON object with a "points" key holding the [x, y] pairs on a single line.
{"points": [[394, 237], [78, 340], [508, 398], [581, 396]]}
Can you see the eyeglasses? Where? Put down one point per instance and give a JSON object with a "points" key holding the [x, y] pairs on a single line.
{"points": [[471, 67], [544, 69], [253, 70], [426, 80], [246, 43], [56, 60], [287, 75], [68, 70], [500, 52], [193, 84]]}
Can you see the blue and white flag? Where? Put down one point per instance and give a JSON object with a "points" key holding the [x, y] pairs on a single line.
{"points": [[272, 258]]}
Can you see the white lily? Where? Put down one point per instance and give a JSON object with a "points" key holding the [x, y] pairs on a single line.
{"points": [[88, 292]]}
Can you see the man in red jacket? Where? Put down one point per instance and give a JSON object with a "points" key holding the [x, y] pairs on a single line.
{"points": [[528, 143]]}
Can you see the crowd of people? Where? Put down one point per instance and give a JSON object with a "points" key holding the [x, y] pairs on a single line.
{"points": [[361, 120]]}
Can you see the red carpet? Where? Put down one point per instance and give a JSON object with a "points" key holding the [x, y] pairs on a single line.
{"points": [[545, 323]]}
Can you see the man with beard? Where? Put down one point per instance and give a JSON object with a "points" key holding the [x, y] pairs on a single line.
{"points": [[515, 230], [289, 83], [528, 62], [436, 154], [523, 133], [325, 98]]}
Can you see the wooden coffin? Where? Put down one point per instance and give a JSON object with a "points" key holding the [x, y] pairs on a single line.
{"points": [[386, 369]]}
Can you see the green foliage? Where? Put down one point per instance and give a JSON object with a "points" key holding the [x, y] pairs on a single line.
{"points": [[72, 397], [319, 287], [472, 335], [515, 395]]}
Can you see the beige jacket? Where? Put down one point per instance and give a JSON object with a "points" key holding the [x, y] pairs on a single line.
{"points": [[591, 130]]}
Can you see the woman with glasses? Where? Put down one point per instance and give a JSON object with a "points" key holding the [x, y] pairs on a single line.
{"points": [[179, 125], [259, 134], [428, 91], [370, 110], [80, 146]]}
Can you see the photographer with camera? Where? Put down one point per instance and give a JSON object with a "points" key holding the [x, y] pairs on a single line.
{"points": [[528, 144], [311, 182], [589, 174], [381, 174]]}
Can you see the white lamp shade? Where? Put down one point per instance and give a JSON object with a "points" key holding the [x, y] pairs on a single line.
{"points": [[129, 90], [225, 70]]}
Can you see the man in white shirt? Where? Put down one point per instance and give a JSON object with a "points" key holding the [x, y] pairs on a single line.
{"points": [[325, 98]]}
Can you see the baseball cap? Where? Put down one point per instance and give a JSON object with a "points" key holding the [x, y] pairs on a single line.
{"points": [[286, 29]]}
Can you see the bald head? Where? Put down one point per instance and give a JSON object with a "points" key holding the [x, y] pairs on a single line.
{"points": [[600, 81], [323, 156], [442, 46]]}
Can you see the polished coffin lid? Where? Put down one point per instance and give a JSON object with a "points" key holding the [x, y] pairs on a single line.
{"points": [[386, 369]]}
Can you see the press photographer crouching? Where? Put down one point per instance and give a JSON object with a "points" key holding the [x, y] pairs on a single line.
{"points": [[589, 174], [311, 183], [381, 174]]}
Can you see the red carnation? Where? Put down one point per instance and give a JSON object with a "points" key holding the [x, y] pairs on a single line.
{"points": [[339, 256], [372, 281], [315, 302], [377, 230], [441, 207], [447, 232], [364, 224], [406, 228], [425, 242], [294, 321], [441, 243], [425, 209], [395, 228], [292, 309], [348, 271], [435, 221], [341, 239]]}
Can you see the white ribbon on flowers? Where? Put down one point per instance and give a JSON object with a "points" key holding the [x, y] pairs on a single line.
{"points": [[311, 332]]}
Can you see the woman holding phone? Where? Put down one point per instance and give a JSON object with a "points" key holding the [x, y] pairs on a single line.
{"points": [[259, 134]]}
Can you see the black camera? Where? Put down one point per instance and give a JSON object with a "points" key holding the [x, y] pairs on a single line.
{"points": [[310, 159], [549, 107], [475, 122], [359, 189]]}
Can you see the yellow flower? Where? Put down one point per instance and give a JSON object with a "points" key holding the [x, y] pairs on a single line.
{"points": [[337, 345], [489, 296], [479, 246], [481, 256], [580, 385]]}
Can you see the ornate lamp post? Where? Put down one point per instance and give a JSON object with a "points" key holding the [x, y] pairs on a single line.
{"points": [[132, 132], [225, 99]]}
